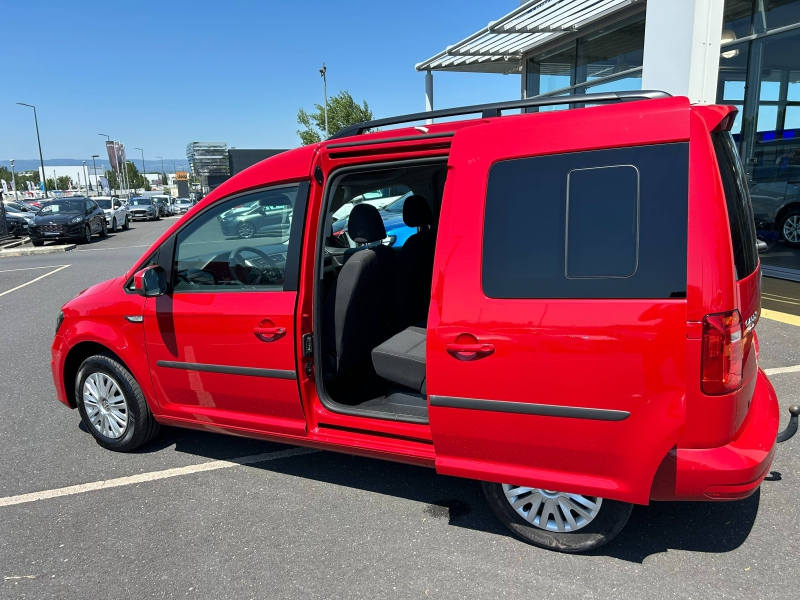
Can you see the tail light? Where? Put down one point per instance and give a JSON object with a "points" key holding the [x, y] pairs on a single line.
{"points": [[722, 353]]}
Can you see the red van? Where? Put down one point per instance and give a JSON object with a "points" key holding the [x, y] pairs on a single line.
{"points": [[572, 321]]}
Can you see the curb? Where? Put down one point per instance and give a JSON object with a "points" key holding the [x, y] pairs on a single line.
{"points": [[39, 250]]}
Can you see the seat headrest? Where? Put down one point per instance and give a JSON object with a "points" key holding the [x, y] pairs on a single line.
{"points": [[365, 224], [417, 212]]}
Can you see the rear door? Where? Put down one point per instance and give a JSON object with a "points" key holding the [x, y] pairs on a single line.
{"points": [[557, 334]]}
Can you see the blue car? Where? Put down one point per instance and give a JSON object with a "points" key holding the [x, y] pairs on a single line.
{"points": [[397, 232]]}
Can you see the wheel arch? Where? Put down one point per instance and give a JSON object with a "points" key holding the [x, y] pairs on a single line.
{"points": [[75, 357], [793, 205]]}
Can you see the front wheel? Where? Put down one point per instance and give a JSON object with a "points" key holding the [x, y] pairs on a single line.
{"points": [[112, 405], [127, 224], [790, 228], [104, 229], [113, 226], [87, 235], [557, 520], [37, 243]]}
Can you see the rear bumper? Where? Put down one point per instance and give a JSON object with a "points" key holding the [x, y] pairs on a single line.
{"points": [[730, 472]]}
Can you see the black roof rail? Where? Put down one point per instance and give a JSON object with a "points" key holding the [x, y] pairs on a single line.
{"points": [[496, 108]]}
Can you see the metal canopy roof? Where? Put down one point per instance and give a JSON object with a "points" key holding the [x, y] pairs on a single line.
{"points": [[498, 47]]}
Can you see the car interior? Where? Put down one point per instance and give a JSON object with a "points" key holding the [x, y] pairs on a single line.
{"points": [[373, 298]]}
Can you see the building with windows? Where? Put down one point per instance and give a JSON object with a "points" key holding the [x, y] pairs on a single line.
{"points": [[740, 52], [208, 162]]}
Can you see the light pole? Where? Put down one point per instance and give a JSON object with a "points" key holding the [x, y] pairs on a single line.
{"points": [[38, 140], [323, 72], [164, 183], [94, 168], [86, 177], [13, 179]]}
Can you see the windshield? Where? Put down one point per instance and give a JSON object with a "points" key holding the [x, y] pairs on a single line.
{"points": [[141, 201], [397, 205], [104, 203], [66, 207]]}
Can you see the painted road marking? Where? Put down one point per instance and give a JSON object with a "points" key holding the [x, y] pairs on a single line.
{"points": [[152, 476], [33, 280], [115, 248], [774, 315], [779, 370], [777, 299], [32, 268]]}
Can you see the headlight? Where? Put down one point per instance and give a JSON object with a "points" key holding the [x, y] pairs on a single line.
{"points": [[59, 320], [75, 220], [389, 240]]}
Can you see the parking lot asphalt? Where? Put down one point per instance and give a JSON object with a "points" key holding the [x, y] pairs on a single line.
{"points": [[320, 524]]}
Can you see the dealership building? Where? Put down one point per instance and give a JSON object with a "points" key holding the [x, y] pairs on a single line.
{"points": [[740, 52]]}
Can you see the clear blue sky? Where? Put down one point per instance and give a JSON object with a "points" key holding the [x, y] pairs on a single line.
{"points": [[161, 74]]}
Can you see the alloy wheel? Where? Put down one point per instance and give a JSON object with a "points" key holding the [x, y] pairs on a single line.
{"points": [[105, 405], [88, 235], [550, 510], [245, 230], [791, 229]]}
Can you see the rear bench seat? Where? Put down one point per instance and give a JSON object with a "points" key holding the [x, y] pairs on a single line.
{"points": [[401, 359]]}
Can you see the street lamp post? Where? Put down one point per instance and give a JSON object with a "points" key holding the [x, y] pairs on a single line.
{"points": [[144, 170], [38, 140], [94, 168], [163, 173], [324, 73], [13, 179], [86, 177]]}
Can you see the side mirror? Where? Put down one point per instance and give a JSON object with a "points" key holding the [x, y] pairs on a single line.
{"points": [[151, 281]]}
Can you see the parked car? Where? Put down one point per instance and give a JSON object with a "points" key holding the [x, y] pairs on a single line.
{"points": [[143, 208], [116, 213], [269, 216], [182, 205], [17, 224], [378, 198], [166, 203], [20, 207], [72, 218], [397, 232], [572, 323], [775, 191]]}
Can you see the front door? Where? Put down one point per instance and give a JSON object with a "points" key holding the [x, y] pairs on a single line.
{"points": [[221, 343], [556, 353]]}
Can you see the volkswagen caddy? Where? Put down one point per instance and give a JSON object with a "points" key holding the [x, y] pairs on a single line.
{"points": [[573, 322]]}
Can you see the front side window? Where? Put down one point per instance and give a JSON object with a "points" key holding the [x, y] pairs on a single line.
{"points": [[240, 244]]}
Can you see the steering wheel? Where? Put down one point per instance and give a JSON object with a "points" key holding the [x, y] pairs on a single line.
{"points": [[235, 259]]}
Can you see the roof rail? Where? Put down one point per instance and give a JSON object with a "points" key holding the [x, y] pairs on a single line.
{"points": [[495, 109]]}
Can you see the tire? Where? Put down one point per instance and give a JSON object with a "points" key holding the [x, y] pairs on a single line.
{"points": [[114, 225], [37, 243], [127, 224], [87, 235], [789, 228], [245, 231], [140, 427], [104, 229], [608, 521]]}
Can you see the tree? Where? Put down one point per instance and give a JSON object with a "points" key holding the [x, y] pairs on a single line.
{"points": [[21, 178], [50, 184], [112, 180], [343, 111], [63, 182]]}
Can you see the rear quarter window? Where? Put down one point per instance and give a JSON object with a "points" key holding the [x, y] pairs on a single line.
{"points": [[600, 224]]}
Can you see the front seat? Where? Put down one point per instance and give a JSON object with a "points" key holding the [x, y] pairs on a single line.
{"points": [[357, 311], [412, 286]]}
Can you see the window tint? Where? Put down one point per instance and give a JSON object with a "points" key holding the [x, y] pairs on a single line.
{"points": [[241, 244], [601, 224], [737, 198]]}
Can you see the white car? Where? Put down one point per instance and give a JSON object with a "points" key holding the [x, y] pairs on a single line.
{"points": [[379, 199], [116, 212]]}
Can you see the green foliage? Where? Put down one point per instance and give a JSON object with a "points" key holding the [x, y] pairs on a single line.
{"points": [[50, 184], [63, 182], [21, 178], [343, 111]]}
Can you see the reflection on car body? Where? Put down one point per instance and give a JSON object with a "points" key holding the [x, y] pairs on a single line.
{"points": [[269, 217]]}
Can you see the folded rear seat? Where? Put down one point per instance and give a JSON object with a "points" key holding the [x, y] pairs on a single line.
{"points": [[401, 359]]}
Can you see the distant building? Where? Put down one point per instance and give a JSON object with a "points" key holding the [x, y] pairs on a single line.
{"points": [[239, 160], [208, 162]]}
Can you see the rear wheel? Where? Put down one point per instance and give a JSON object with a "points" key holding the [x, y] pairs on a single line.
{"points": [[790, 228], [37, 242], [557, 520], [112, 405], [245, 230]]}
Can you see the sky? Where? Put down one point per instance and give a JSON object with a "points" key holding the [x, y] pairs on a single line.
{"points": [[159, 75]]}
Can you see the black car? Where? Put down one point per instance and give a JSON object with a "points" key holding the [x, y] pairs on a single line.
{"points": [[17, 225], [266, 217], [143, 208], [68, 219]]}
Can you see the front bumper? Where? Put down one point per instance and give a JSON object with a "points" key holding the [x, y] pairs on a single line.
{"points": [[135, 216], [69, 232], [729, 472]]}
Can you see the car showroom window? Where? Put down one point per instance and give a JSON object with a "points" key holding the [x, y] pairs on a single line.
{"points": [[600, 224], [239, 244]]}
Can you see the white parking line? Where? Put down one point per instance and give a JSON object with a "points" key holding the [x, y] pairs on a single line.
{"points": [[33, 281], [31, 268], [778, 370], [115, 248], [152, 476]]}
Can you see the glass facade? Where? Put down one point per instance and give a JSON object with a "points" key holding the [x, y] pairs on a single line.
{"points": [[760, 75]]}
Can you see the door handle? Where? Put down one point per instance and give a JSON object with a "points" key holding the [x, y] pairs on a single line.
{"points": [[469, 351], [269, 334]]}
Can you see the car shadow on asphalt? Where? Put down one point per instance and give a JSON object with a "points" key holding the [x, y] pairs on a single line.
{"points": [[714, 527]]}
